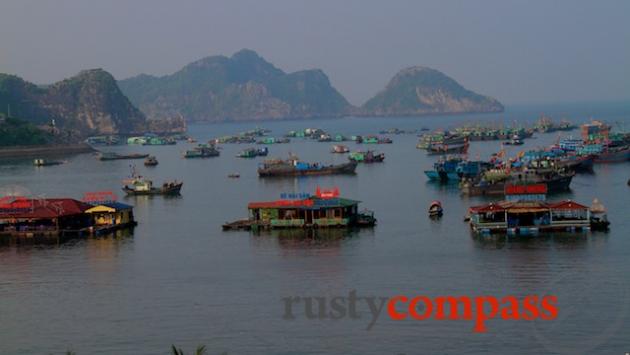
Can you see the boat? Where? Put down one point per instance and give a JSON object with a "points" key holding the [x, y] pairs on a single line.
{"points": [[253, 152], [43, 162], [294, 167], [106, 156], [442, 148], [367, 157], [234, 175], [444, 170], [599, 218], [139, 186], [493, 182], [435, 209], [613, 155], [514, 141], [525, 211], [324, 209], [151, 161], [339, 149], [202, 151]]}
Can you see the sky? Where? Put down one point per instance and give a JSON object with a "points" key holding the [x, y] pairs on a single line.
{"points": [[516, 51]]}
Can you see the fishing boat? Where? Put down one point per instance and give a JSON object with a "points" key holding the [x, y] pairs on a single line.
{"points": [[435, 209], [514, 141], [151, 161], [444, 148], [339, 149], [139, 186], [444, 170], [493, 182], [43, 162], [324, 209], [613, 155], [253, 152], [294, 167], [525, 211], [367, 157], [106, 156], [202, 151]]}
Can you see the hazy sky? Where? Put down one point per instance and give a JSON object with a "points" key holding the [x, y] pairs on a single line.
{"points": [[516, 51]]}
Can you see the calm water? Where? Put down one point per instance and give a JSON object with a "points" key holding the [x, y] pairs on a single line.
{"points": [[180, 279]]}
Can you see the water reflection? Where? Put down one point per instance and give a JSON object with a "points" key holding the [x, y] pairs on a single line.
{"points": [[325, 238], [542, 241]]}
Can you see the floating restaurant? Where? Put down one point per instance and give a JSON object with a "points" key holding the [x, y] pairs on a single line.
{"points": [[526, 212], [323, 210]]}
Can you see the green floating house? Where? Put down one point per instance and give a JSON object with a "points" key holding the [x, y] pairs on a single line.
{"points": [[324, 210]]}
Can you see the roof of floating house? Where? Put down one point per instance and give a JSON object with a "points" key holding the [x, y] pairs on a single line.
{"points": [[109, 207], [527, 206], [309, 203], [19, 207]]}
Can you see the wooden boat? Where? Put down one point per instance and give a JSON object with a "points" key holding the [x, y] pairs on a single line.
{"points": [[435, 209], [139, 186], [442, 148], [339, 149], [106, 156], [613, 155], [202, 151], [43, 162], [293, 167], [367, 157], [151, 161], [253, 152], [554, 181]]}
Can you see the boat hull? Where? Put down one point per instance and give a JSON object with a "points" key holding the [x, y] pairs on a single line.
{"points": [[281, 171]]}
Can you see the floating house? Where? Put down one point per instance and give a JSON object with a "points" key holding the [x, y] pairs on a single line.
{"points": [[526, 212], [27, 218], [112, 215], [24, 217], [323, 210]]}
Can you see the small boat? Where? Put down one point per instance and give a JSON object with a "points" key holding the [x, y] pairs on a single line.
{"points": [[516, 140], [42, 162], [202, 151], [139, 186], [150, 161], [442, 148], [339, 149], [435, 209], [367, 157], [234, 175], [191, 140], [106, 156]]}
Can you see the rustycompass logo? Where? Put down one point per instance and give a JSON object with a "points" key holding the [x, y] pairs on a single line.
{"points": [[475, 309]]}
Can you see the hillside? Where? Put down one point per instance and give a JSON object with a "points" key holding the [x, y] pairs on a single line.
{"points": [[422, 91], [242, 87]]}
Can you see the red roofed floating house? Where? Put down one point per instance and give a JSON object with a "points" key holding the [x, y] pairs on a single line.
{"points": [[323, 210], [525, 211], [24, 217]]}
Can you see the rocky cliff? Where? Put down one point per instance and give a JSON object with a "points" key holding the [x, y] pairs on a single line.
{"points": [[422, 91], [88, 103], [242, 87]]}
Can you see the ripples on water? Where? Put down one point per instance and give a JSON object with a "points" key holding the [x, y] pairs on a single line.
{"points": [[180, 279]]}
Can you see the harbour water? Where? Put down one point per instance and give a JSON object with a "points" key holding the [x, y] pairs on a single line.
{"points": [[178, 279]]}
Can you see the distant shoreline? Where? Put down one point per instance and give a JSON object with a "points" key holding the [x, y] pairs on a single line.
{"points": [[44, 150]]}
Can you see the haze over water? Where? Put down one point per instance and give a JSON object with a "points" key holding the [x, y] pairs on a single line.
{"points": [[180, 280]]}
